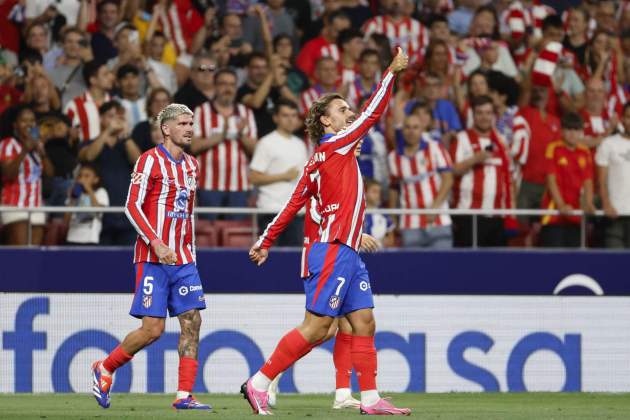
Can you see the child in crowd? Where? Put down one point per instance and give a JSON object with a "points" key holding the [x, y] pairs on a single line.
{"points": [[380, 226], [85, 228]]}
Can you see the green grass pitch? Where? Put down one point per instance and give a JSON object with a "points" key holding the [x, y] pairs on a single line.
{"points": [[526, 406]]}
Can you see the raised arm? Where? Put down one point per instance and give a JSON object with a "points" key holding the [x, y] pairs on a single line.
{"points": [[373, 109]]}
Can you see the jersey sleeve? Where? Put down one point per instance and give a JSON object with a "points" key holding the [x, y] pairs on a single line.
{"points": [[7, 152], [141, 184], [300, 195], [519, 147], [441, 158], [344, 141]]}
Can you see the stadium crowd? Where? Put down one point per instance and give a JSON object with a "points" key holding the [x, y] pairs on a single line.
{"points": [[506, 104]]}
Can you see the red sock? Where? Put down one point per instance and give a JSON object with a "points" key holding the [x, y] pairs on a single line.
{"points": [[292, 347], [364, 361], [116, 359], [187, 374], [342, 357]]}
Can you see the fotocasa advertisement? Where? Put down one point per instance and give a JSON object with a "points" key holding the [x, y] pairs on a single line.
{"points": [[425, 343]]}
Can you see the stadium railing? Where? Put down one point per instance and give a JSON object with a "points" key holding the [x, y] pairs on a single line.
{"points": [[254, 212]]}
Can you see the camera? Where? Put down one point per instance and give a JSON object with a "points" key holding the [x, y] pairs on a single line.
{"points": [[489, 148]]}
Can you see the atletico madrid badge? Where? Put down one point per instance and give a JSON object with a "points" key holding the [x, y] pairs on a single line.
{"points": [[334, 302], [147, 300]]}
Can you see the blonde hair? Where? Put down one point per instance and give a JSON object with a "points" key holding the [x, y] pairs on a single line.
{"points": [[171, 112], [314, 127]]}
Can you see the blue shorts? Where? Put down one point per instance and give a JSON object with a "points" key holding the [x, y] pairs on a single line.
{"points": [[338, 282], [160, 287]]}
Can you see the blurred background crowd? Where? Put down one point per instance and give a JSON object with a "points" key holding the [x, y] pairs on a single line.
{"points": [[506, 105]]}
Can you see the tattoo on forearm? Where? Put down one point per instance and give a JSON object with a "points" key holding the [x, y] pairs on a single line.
{"points": [[190, 323]]}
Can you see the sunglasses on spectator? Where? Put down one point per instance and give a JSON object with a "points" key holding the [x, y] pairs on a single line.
{"points": [[203, 68]]}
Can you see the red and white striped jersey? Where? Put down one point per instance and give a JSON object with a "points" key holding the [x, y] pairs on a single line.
{"points": [[408, 33], [595, 125], [224, 166], [310, 95], [484, 185], [347, 74], [517, 18], [83, 113], [418, 180], [180, 22], [333, 177], [26, 189], [521, 136], [160, 204], [357, 93]]}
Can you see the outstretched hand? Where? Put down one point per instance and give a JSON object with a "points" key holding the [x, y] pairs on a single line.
{"points": [[258, 255], [400, 61]]}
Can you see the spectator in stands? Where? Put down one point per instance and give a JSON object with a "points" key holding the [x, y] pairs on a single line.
{"points": [[438, 28], [108, 18], [225, 135], [164, 73], [326, 77], [437, 62], [37, 38], [128, 80], [146, 134], [380, 43], [40, 94], [401, 29], [265, 84], [322, 46], [83, 110], [238, 47], [606, 15], [380, 226], [280, 22], [66, 72], [421, 178], [482, 178], [275, 168], [85, 228], [283, 48], [545, 129], [613, 166], [200, 87], [459, 19], [62, 149], [114, 152], [569, 173], [576, 38], [604, 58], [476, 85], [23, 161], [350, 43], [598, 123], [364, 82]]}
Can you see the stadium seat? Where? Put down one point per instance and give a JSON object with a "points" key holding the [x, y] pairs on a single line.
{"points": [[206, 234], [237, 237]]}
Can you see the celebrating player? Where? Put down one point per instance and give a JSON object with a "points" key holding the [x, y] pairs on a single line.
{"points": [[338, 283], [160, 207]]}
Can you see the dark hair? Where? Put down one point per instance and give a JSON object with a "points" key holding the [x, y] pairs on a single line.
{"points": [[152, 96], [436, 18], [322, 59], [256, 55], [318, 109], [626, 107], [222, 71], [384, 48], [503, 85], [90, 69], [126, 69], [103, 3], [337, 14], [95, 169], [571, 121], [71, 30], [480, 100], [581, 10], [284, 102], [370, 182], [109, 105], [223, 17], [367, 53], [552, 21], [348, 35], [477, 72], [280, 37], [30, 55], [159, 34], [490, 9], [421, 104], [428, 55]]}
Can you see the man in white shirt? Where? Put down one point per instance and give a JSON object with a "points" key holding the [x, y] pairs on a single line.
{"points": [[613, 169], [275, 168]]}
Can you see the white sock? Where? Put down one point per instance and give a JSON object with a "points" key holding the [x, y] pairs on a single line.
{"points": [[181, 395], [342, 394], [260, 382], [370, 397]]}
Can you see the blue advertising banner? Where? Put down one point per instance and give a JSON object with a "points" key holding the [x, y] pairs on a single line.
{"points": [[457, 272]]}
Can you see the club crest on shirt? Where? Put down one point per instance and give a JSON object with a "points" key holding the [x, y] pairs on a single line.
{"points": [[137, 177], [191, 182], [147, 300], [334, 302]]}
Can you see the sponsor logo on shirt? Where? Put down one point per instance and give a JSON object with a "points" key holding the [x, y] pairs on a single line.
{"points": [[177, 214], [331, 208]]}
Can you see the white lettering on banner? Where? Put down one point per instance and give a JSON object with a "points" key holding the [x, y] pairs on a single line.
{"points": [[425, 343]]}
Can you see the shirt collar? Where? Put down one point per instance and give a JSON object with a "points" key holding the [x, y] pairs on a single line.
{"points": [[168, 155], [325, 137]]}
